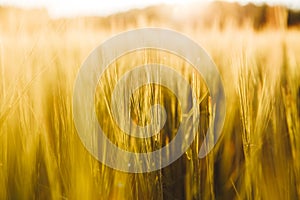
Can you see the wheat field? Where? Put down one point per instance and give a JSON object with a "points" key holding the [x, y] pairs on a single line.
{"points": [[257, 156]]}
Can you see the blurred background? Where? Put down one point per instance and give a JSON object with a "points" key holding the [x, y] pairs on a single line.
{"points": [[18, 15]]}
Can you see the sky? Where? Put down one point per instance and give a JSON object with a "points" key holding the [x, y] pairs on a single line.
{"points": [[65, 8]]}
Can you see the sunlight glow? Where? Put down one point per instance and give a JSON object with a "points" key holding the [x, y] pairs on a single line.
{"points": [[59, 8]]}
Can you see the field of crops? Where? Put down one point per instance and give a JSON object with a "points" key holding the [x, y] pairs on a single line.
{"points": [[257, 156]]}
